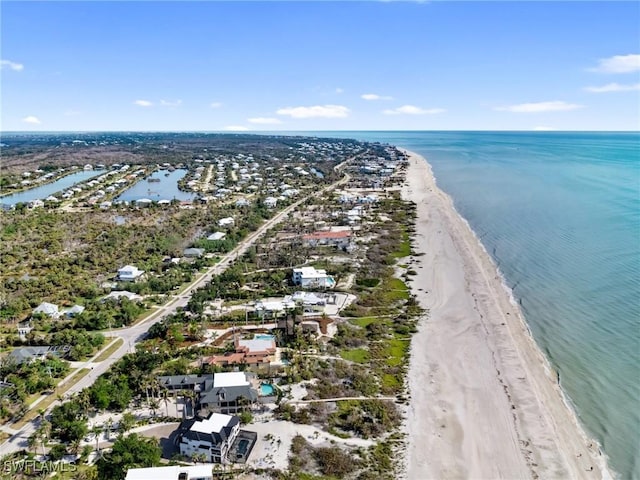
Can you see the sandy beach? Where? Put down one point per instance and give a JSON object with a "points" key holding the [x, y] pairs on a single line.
{"points": [[485, 403]]}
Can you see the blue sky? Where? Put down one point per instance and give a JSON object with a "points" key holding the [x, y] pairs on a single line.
{"points": [[320, 66]]}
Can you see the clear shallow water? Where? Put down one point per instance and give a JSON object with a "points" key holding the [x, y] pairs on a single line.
{"points": [[43, 191], [166, 188], [560, 214]]}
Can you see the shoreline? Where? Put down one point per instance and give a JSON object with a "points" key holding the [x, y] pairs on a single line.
{"points": [[485, 402]]}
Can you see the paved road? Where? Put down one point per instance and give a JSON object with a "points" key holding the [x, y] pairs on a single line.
{"points": [[138, 332]]}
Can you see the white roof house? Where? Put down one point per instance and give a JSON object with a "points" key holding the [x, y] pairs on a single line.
{"points": [[129, 273], [217, 236], [174, 472], [226, 222], [230, 379], [310, 277], [48, 309]]}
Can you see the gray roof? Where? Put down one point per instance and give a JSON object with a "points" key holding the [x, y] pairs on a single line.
{"points": [[193, 252], [184, 381], [228, 394], [26, 354]]}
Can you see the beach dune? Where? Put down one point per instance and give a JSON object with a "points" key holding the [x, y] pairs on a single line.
{"points": [[484, 402]]}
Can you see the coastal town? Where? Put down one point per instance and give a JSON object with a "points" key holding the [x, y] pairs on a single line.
{"points": [[205, 307]]}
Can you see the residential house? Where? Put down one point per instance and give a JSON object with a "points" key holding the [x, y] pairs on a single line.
{"points": [[270, 202], [309, 277], [173, 472], [217, 236], [73, 311], [211, 436], [118, 294], [229, 392], [22, 355], [273, 308], [256, 352], [232, 392], [129, 273], [193, 252], [48, 309], [226, 222], [339, 239], [23, 329]]}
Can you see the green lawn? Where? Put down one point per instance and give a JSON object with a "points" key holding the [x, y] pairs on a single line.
{"points": [[404, 249], [109, 350], [358, 355], [363, 321], [395, 351]]}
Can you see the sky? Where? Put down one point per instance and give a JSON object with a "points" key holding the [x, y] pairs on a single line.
{"points": [[303, 66]]}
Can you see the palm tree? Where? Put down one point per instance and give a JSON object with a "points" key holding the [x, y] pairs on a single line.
{"points": [[107, 427], [96, 431]]}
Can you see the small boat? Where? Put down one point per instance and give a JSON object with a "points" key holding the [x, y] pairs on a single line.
{"points": [[153, 180]]}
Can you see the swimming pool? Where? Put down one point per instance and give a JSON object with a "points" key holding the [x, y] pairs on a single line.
{"points": [[263, 336], [266, 390]]}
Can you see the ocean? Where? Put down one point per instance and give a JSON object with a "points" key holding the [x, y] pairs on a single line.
{"points": [[559, 212]]}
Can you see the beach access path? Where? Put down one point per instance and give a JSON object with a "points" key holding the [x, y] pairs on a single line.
{"points": [[484, 401]]}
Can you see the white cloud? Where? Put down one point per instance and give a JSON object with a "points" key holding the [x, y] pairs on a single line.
{"points": [[143, 103], [215, 104], [554, 106], [235, 128], [264, 121], [32, 120], [613, 87], [543, 129], [167, 103], [618, 64], [413, 110], [18, 67], [316, 111], [374, 96]]}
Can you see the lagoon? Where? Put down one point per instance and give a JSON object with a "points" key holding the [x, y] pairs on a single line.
{"points": [[43, 191], [163, 186]]}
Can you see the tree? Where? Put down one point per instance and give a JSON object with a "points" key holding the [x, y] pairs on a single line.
{"points": [[127, 422], [128, 452]]}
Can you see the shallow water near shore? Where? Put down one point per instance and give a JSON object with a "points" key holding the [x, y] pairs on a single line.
{"points": [[560, 215]]}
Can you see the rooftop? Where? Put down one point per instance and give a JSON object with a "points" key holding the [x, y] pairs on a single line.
{"points": [[229, 379], [214, 424], [203, 472]]}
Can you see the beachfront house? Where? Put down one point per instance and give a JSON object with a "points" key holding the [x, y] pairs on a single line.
{"points": [[339, 239], [266, 309], [129, 273], [232, 392], [211, 436], [229, 392], [260, 351], [309, 277]]}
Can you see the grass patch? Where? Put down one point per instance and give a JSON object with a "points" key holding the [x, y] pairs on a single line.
{"points": [[358, 355], [390, 381], [44, 404], [363, 321], [107, 352], [395, 351], [394, 290], [404, 249]]}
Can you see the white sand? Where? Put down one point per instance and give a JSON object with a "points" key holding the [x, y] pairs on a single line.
{"points": [[484, 402]]}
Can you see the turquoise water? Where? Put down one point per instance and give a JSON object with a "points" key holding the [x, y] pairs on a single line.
{"points": [[263, 336], [165, 189], [43, 191], [266, 390], [560, 214]]}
